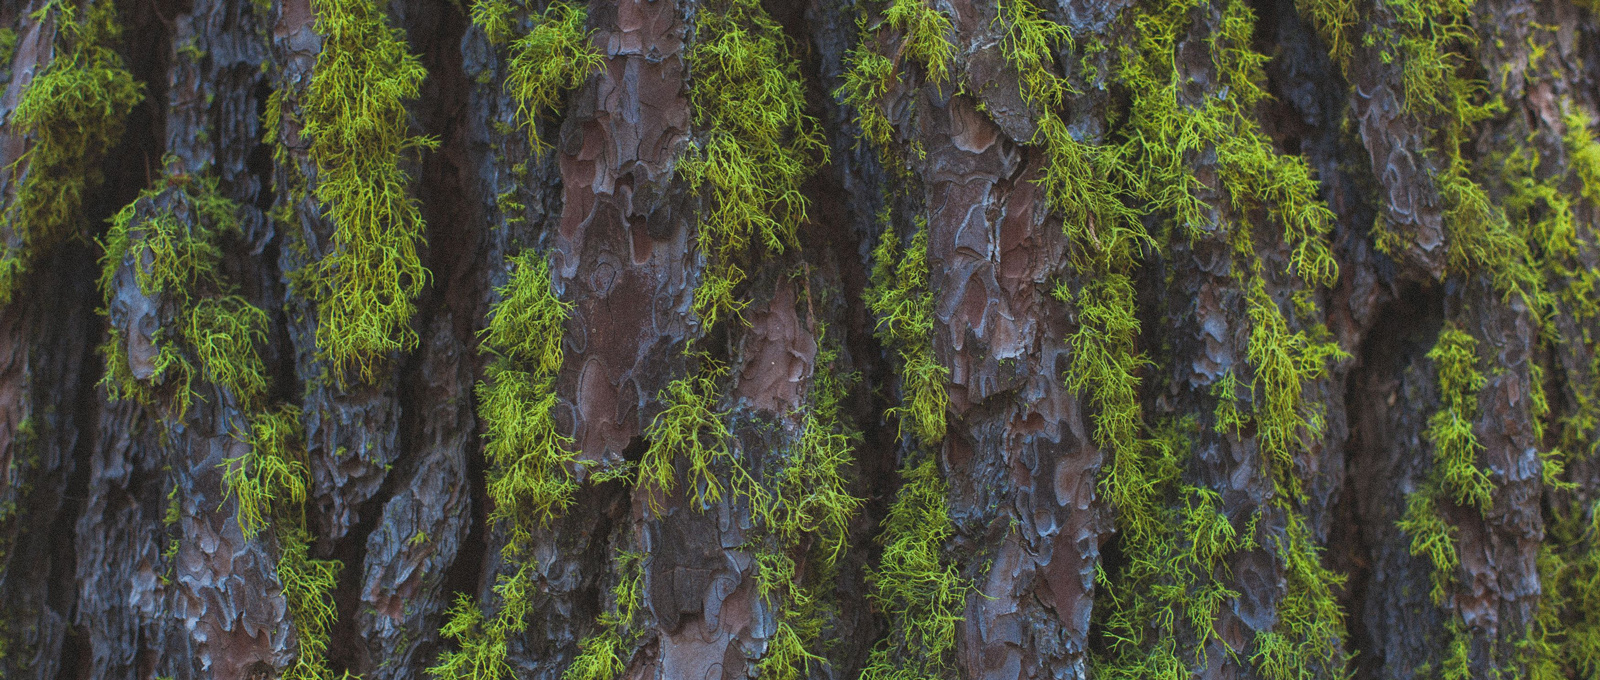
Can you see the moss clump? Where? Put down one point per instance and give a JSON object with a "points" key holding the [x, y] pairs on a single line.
{"points": [[269, 487], [924, 39], [759, 146], [1455, 447], [530, 462], [172, 240], [71, 114], [531, 478], [804, 519], [554, 57], [922, 594], [689, 428], [900, 298], [356, 122], [601, 655]]}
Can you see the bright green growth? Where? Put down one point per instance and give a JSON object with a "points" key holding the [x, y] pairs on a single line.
{"points": [[497, 18], [1455, 447], [356, 122], [759, 146], [72, 113], [926, 40], [689, 428], [1432, 537], [601, 655], [1172, 584], [1455, 475], [8, 47], [224, 333], [554, 57], [178, 259], [269, 484], [921, 593], [810, 492], [530, 462], [273, 476], [806, 518], [1333, 20], [308, 588], [1564, 640], [900, 298], [482, 655], [869, 74], [530, 479], [1284, 364], [1308, 641]]}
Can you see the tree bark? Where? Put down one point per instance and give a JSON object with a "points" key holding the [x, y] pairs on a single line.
{"points": [[1224, 338]]}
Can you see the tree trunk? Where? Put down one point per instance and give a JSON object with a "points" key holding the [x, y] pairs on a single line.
{"points": [[890, 339]]}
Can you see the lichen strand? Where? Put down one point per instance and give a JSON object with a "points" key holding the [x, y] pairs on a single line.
{"points": [[70, 114], [1106, 192], [269, 486], [531, 463], [177, 258], [921, 592], [356, 121], [869, 74], [902, 302], [757, 149], [554, 57], [805, 511]]}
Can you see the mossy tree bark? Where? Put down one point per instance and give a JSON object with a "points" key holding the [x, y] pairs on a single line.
{"points": [[1239, 338]]}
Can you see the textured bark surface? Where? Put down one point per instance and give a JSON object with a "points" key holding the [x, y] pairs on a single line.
{"points": [[122, 549]]}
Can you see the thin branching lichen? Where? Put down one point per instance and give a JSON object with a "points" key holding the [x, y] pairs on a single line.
{"points": [[531, 463], [71, 114], [901, 300], [356, 121], [554, 57], [759, 146], [921, 592]]}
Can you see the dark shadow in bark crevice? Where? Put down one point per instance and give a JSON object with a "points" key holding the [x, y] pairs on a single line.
{"points": [[1406, 327]]}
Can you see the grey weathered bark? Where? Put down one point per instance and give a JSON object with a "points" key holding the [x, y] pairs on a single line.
{"points": [[126, 549]]}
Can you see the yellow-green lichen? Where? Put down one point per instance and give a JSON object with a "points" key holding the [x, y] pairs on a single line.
{"points": [[71, 114], [922, 593], [759, 145], [268, 485], [531, 464], [358, 128], [901, 300], [554, 57]]}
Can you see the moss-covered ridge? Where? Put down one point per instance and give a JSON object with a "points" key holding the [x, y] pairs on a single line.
{"points": [[72, 113], [354, 116]]}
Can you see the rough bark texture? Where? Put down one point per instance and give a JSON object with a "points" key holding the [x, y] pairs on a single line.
{"points": [[125, 550]]}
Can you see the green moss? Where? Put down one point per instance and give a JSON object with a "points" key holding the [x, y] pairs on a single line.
{"points": [[308, 589], [530, 477], [1284, 363], [8, 47], [269, 485], [869, 74], [601, 656], [224, 333], [1455, 447], [920, 592], [179, 259], [805, 518], [71, 114], [357, 125], [901, 300], [554, 57], [497, 18], [1433, 538], [690, 429], [758, 147]]}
